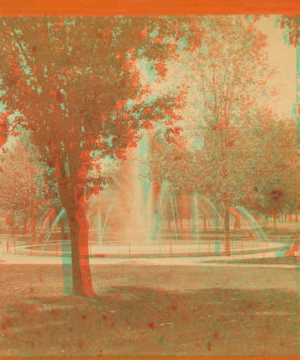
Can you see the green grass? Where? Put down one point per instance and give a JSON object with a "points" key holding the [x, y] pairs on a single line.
{"points": [[150, 311]]}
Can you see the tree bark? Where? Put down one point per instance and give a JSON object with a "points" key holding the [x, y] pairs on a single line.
{"points": [[193, 224], [81, 273], [13, 224], [274, 220], [237, 223], [264, 222], [217, 230], [25, 229], [226, 228], [73, 200], [180, 225]]}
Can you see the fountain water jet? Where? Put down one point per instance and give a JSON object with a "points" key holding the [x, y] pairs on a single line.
{"points": [[53, 225]]}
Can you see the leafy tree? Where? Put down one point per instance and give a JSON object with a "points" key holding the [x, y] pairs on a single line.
{"points": [[260, 172], [269, 157], [227, 72], [46, 189], [291, 28], [74, 84], [291, 33], [17, 183], [4, 128]]}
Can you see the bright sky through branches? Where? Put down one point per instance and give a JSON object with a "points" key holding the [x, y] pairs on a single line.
{"points": [[283, 56]]}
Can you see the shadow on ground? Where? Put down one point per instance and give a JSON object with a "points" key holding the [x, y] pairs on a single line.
{"points": [[140, 321]]}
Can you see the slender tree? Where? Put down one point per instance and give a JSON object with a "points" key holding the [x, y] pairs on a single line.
{"points": [[227, 73], [291, 33]]}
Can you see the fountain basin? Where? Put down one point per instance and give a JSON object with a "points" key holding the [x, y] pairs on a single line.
{"points": [[165, 248]]}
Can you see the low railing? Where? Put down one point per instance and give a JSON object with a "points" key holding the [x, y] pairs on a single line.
{"points": [[161, 248]]}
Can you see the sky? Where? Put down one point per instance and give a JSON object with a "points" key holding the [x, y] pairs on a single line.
{"points": [[284, 58]]}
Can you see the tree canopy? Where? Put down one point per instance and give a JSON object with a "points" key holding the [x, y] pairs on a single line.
{"points": [[74, 84]]}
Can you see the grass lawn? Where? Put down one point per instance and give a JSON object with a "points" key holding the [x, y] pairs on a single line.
{"points": [[150, 311]]}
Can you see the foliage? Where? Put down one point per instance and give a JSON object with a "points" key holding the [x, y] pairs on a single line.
{"points": [[17, 182], [74, 84], [228, 72], [291, 28]]}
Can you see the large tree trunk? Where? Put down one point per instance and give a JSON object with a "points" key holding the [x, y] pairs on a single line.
{"points": [[217, 230], [237, 223], [81, 273], [13, 224], [264, 222], [73, 200], [274, 220], [180, 225], [25, 228], [226, 228]]}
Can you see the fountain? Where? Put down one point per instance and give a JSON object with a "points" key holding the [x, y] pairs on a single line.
{"points": [[141, 218]]}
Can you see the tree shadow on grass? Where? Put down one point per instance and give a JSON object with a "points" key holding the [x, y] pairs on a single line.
{"points": [[139, 321]]}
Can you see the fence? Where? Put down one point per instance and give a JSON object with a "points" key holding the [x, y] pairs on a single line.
{"points": [[162, 248]]}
